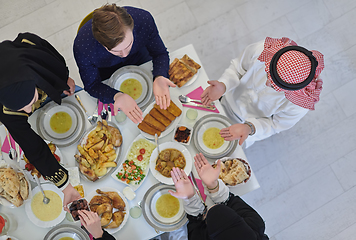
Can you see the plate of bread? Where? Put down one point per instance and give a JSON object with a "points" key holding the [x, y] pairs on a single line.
{"points": [[160, 121], [234, 171], [15, 188], [183, 70]]}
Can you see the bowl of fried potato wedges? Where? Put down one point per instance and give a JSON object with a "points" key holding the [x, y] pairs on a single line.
{"points": [[99, 151]]}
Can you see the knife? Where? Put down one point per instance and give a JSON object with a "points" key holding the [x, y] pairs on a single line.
{"points": [[200, 105], [195, 185]]}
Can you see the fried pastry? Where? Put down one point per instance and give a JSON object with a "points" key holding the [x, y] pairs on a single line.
{"points": [[154, 123], [165, 113], [174, 110], [182, 70], [159, 117], [190, 63], [148, 129]]}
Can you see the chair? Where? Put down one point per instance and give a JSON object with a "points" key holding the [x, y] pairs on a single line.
{"points": [[85, 20]]}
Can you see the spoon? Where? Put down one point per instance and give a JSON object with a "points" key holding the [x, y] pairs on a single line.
{"points": [[185, 98], [45, 199], [12, 152], [156, 140]]}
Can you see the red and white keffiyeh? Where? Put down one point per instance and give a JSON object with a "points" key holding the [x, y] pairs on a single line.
{"points": [[294, 67]]}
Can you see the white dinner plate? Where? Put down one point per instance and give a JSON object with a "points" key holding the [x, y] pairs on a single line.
{"points": [[166, 145], [51, 112], [138, 73], [179, 56], [176, 218], [247, 166], [127, 207], [207, 121], [42, 128], [171, 126], [83, 141], [146, 204], [31, 215], [17, 168], [63, 162], [145, 171], [206, 126]]}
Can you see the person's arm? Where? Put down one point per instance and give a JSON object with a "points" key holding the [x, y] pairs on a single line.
{"points": [[238, 67], [283, 120], [35, 149], [89, 72], [156, 49]]}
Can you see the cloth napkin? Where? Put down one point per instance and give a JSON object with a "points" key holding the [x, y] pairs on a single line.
{"points": [[6, 147], [102, 105], [200, 187], [195, 94]]}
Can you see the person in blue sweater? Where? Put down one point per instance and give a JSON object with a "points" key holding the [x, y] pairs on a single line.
{"points": [[116, 37]]}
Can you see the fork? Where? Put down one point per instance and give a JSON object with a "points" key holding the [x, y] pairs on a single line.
{"points": [[91, 119]]}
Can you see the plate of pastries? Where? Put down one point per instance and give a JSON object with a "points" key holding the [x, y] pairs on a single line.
{"points": [[160, 121], [183, 71], [234, 171]]}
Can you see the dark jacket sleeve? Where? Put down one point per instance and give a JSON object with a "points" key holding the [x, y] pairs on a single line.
{"points": [[106, 236], [35, 149]]}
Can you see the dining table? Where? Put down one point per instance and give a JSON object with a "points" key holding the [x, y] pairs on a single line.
{"points": [[135, 229]]}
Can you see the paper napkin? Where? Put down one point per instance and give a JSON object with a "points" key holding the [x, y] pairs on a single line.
{"points": [[195, 94]]}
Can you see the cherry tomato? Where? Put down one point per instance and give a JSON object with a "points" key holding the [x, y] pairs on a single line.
{"points": [[57, 157], [142, 151], [29, 167], [139, 157]]}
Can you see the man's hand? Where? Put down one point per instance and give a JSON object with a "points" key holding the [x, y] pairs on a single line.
{"points": [[71, 85], [213, 92], [70, 194], [236, 131], [206, 172], [129, 106], [161, 91], [184, 188]]}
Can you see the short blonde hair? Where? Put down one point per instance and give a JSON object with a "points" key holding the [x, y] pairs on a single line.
{"points": [[109, 25]]}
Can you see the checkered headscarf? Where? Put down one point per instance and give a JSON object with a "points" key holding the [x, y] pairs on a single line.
{"points": [[294, 67]]}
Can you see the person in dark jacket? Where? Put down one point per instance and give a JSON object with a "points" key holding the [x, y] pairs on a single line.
{"points": [[32, 70]]}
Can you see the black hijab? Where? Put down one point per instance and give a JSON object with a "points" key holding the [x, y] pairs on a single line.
{"points": [[30, 59]]}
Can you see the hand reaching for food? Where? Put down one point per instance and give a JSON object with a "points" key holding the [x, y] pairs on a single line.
{"points": [[129, 106], [92, 222], [213, 92], [184, 188], [206, 172], [70, 195], [236, 131], [161, 91]]}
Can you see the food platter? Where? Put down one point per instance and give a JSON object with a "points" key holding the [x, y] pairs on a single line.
{"points": [[207, 121], [66, 230], [31, 215], [14, 166], [170, 128], [127, 207], [148, 202], [246, 165], [145, 171], [72, 135], [84, 139], [166, 145], [179, 56], [63, 162], [138, 73]]}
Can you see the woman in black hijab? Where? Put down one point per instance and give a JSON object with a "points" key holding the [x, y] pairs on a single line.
{"points": [[31, 70], [229, 219]]}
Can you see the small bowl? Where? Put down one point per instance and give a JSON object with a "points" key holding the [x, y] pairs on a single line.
{"points": [[178, 129], [82, 204]]}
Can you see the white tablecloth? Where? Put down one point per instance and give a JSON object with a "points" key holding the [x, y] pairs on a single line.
{"points": [[134, 228]]}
